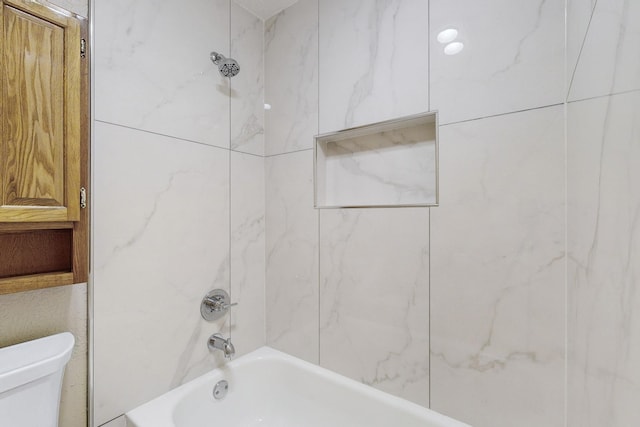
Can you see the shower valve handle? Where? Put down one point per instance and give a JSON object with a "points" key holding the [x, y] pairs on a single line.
{"points": [[215, 304]]}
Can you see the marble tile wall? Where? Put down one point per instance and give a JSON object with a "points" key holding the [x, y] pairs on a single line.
{"points": [[332, 64], [497, 271], [603, 145], [487, 345], [292, 255], [604, 249], [163, 81], [178, 194], [373, 61], [609, 61], [291, 74], [247, 251], [161, 237], [513, 58], [374, 298], [247, 88]]}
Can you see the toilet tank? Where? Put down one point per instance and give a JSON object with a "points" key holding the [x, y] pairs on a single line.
{"points": [[31, 379]]}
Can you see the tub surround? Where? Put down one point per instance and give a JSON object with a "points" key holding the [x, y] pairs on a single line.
{"points": [[374, 298], [498, 279], [471, 294], [513, 59], [179, 209], [291, 78], [604, 330]]}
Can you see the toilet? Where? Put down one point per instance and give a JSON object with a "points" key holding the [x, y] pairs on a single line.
{"points": [[31, 379]]}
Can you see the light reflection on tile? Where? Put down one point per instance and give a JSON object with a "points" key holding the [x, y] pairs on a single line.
{"points": [[513, 57]]}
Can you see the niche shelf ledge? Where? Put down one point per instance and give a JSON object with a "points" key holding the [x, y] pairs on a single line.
{"points": [[393, 163]]}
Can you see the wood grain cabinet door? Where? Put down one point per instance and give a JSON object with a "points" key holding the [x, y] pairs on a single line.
{"points": [[40, 108]]}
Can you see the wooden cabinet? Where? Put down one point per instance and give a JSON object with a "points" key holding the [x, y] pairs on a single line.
{"points": [[43, 146], [40, 146]]}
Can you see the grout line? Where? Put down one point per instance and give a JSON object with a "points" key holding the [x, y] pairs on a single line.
{"points": [[161, 134], [429, 55], [264, 183], [244, 152], [230, 205], [429, 317], [429, 209], [567, 87], [502, 114], [180, 139], [314, 178], [288, 152], [584, 41], [624, 92]]}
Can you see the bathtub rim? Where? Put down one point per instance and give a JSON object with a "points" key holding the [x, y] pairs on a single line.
{"points": [[159, 411]]}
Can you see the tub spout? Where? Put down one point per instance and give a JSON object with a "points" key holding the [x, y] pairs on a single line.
{"points": [[216, 342]]}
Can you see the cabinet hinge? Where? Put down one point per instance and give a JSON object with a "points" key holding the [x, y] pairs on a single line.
{"points": [[83, 198], [83, 48]]}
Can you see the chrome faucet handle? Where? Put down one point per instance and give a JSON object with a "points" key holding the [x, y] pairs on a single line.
{"points": [[228, 306], [215, 304]]}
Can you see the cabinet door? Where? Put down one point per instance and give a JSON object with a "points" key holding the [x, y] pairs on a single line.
{"points": [[40, 109]]}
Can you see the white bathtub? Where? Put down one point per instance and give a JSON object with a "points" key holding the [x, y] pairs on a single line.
{"points": [[268, 388]]}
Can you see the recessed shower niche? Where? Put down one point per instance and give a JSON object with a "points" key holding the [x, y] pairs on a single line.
{"points": [[387, 164]]}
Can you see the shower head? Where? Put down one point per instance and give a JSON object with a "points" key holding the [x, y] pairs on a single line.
{"points": [[228, 67]]}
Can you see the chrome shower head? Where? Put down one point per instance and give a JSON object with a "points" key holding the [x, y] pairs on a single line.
{"points": [[228, 67]]}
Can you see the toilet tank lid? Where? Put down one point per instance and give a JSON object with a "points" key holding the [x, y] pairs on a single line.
{"points": [[26, 362]]}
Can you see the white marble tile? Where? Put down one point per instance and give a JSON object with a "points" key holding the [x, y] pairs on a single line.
{"points": [[79, 7], [397, 167], [513, 58], [292, 255], [609, 61], [291, 73], [161, 241], [247, 88], [35, 314], [265, 9], [153, 71], [373, 61], [374, 298], [579, 14], [247, 252], [497, 272], [604, 249]]}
